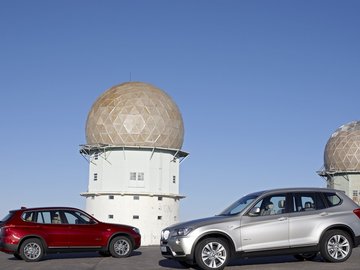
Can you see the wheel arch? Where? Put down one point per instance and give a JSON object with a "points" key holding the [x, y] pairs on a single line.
{"points": [[43, 242], [341, 227], [214, 234], [120, 234]]}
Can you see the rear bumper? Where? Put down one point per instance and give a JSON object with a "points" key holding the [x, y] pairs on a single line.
{"points": [[8, 248]]}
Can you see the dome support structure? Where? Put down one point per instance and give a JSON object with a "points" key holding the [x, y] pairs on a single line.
{"points": [[341, 169]]}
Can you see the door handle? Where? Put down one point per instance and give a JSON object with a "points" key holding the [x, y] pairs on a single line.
{"points": [[282, 218], [323, 214]]}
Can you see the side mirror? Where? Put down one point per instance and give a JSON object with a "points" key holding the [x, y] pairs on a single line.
{"points": [[255, 211]]}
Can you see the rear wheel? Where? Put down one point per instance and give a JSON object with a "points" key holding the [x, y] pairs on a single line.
{"points": [[212, 254], [120, 247], [336, 246], [32, 250]]}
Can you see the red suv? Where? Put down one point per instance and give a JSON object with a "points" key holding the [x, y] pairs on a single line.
{"points": [[29, 233]]}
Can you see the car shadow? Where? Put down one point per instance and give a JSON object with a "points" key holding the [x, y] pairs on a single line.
{"points": [[166, 263], [76, 255]]}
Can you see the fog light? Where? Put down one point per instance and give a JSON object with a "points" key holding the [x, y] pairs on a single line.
{"points": [[177, 241]]}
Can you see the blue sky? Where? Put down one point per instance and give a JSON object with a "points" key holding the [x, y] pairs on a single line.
{"points": [[261, 86]]}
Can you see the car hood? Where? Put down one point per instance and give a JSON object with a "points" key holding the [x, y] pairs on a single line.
{"points": [[200, 222]]}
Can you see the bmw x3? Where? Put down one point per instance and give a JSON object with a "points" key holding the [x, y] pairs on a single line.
{"points": [[303, 222], [30, 233]]}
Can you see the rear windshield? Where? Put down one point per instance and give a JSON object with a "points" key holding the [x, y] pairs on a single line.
{"points": [[7, 217]]}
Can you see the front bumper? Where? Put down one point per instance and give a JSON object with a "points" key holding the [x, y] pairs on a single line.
{"points": [[177, 248]]}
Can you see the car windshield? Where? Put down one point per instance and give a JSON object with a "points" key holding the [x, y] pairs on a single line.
{"points": [[239, 205]]}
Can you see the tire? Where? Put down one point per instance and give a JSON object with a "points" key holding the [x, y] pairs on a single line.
{"points": [[31, 250], [120, 247], [305, 256], [212, 253], [336, 246]]}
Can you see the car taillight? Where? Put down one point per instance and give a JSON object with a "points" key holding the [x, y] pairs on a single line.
{"points": [[357, 212]]}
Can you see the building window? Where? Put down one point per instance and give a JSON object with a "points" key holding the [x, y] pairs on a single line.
{"points": [[355, 193], [137, 176], [111, 197], [133, 176], [137, 179], [174, 179], [140, 176], [159, 217], [95, 176], [136, 217], [136, 197], [111, 216], [160, 198], [96, 156]]}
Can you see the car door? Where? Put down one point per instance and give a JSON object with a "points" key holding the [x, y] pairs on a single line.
{"points": [[307, 210], [51, 228], [266, 226], [83, 232]]}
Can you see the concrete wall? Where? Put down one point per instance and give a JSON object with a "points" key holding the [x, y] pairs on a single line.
{"points": [[137, 187], [147, 213], [349, 183]]}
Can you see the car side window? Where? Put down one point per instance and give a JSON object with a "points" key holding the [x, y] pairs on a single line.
{"points": [[28, 216], [271, 205], [307, 201], [332, 199], [74, 217], [43, 217]]}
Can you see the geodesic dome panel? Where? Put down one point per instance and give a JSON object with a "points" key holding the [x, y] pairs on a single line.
{"points": [[342, 151], [135, 114]]}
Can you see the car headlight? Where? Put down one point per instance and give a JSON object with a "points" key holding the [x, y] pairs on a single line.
{"points": [[165, 234], [136, 230], [182, 231]]}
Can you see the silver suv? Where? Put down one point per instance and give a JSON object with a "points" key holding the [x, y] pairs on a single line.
{"points": [[298, 221]]}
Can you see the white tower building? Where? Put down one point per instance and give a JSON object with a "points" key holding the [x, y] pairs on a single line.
{"points": [[134, 134], [341, 168]]}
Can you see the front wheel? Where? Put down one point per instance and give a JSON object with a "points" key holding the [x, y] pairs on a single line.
{"points": [[336, 246], [120, 247], [212, 254], [32, 250]]}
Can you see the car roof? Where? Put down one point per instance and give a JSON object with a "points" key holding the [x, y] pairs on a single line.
{"points": [[49, 208], [298, 189]]}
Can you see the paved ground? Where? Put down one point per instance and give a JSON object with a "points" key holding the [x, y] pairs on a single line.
{"points": [[148, 258]]}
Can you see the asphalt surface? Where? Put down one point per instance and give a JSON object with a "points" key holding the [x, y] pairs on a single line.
{"points": [[147, 258]]}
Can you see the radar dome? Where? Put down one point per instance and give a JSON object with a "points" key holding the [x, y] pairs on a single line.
{"points": [[135, 114], [342, 151]]}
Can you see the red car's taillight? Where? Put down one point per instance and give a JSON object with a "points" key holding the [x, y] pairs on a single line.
{"points": [[357, 212]]}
